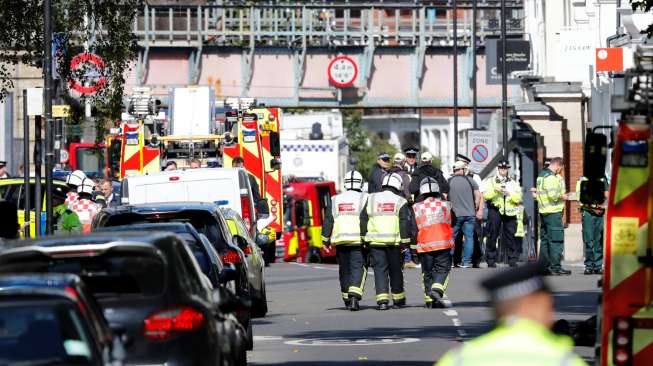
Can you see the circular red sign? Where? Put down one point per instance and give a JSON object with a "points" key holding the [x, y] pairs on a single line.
{"points": [[342, 71], [98, 64]]}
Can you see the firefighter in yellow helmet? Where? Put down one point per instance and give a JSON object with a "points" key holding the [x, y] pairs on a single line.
{"points": [[341, 227], [386, 223], [523, 306]]}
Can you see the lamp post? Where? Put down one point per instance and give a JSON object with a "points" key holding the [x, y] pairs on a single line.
{"points": [[504, 82], [47, 104]]}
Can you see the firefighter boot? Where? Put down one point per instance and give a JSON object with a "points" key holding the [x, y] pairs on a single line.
{"points": [[398, 304], [347, 303], [353, 304], [383, 306]]}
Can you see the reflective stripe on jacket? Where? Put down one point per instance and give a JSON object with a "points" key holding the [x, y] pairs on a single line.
{"points": [[433, 218], [508, 205], [550, 188], [346, 209], [383, 223]]}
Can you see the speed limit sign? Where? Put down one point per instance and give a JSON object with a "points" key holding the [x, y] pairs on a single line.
{"points": [[343, 71]]}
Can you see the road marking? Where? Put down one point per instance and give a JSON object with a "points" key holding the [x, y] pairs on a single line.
{"points": [[339, 342], [456, 322], [450, 312], [267, 338]]}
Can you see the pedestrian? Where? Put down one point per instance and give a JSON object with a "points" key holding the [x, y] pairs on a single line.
{"points": [[3, 170], [551, 196], [65, 220], [84, 207], [523, 307], [262, 208], [426, 169], [171, 165], [411, 159], [73, 181], [467, 207], [503, 196], [386, 223], [398, 167], [9, 217], [477, 253], [112, 199], [195, 164], [378, 172], [434, 241], [341, 227], [592, 215]]}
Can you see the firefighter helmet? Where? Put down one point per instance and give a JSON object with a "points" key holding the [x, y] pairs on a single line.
{"points": [[392, 180], [429, 185], [87, 186], [353, 180], [75, 178]]}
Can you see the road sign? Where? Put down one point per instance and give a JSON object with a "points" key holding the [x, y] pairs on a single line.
{"points": [[342, 71], [61, 111], [34, 101], [88, 73], [480, 149]]}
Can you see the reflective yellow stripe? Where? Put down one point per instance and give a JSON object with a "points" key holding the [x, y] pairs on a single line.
{"points": [[345, 295], [399, 296], [355, 290], [381, 297]]}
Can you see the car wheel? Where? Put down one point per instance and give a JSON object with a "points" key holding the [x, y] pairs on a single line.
{"points": [[249, 337], [261, 307]]}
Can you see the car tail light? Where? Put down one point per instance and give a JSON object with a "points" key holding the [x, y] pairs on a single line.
{"points": [[165, 323], [247, 250], [231, 257], [622, 341], [73, 293], [173, 179], [246, 210]]}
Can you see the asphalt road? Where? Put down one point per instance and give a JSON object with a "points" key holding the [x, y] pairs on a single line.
{"points": [[308, 324]]}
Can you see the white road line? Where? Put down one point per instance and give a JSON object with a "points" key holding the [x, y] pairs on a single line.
{"points": [[450, 312], [456, 322], [267, 338]]}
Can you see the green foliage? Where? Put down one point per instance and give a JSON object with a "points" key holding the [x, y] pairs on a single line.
{"points": [[103, 24], [645, 6], [364, 146]]}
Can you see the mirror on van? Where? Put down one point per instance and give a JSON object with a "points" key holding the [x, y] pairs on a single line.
{"points": [[275, 144]]}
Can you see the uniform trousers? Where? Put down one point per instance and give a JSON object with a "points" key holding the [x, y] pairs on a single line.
{"points": [[552, 238], [507, 227], [352, 271], [436, 266], [388, 262]]}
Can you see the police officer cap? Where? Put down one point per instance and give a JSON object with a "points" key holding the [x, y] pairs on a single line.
{"points": [[504, 164], [411, 150], [2, 163], [384, 155], [517, 282], [461, 157]]}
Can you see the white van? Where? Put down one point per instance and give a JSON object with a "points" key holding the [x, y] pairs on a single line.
{"points": [[227, 187]]}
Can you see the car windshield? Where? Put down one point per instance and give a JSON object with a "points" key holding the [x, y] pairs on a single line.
{"points": [[199, 252], [125, 274], [40, 333]]}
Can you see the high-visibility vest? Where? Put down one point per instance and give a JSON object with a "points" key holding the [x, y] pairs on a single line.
{"points": [[550, 188], [86, 211], [508, 205], [513, 343], [346, 209], [383, 213], [434, 232]]}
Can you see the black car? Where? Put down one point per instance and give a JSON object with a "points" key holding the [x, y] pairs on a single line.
{"points": [[207, 219], [150, 288], [51, 319]]}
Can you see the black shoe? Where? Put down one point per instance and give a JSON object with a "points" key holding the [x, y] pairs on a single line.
{"points": [[353, 306], [347, 303], [398, 304], [491, 265], [561, 272], [588, 271], [598, 271], [429, 305], [383, 306], [476, 265]]}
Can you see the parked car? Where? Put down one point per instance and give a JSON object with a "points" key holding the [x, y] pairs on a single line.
{"points": [[51, 319], [255, 261], [228, 187], [150, 289], [207, 219]]}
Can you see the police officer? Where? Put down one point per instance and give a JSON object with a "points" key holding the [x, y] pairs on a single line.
{"points": [[503, 196], [434, 241], [386, 223], [411, 159], [551, 196], [592, 220], [73, 181], [523, 306], [341, 228]]}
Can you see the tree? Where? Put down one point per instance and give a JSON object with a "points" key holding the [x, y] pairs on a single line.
{"points": [[364, 146], [103, 25], [645, 6]]}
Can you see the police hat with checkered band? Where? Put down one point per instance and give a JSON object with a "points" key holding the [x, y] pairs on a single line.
{"points": [[392, 180], [75, 178], [429, 185], [353, 180]]}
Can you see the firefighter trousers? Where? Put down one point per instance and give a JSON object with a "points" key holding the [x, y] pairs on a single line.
{"points": [[506, 226], [352, 271], [388, 262], [436, 266]]}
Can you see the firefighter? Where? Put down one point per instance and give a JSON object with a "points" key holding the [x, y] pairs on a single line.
{"points": [[551, 196], [84, 207], [592, 220], [73, 181], [66, 220], [523, 305], [503, 196], [341, 228], [434, 241], [386, 224]]}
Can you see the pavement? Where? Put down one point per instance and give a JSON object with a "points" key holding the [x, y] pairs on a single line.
{"points": [[308, 325]]}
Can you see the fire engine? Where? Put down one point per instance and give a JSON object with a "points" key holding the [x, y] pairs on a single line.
{"points": [[625, 316]]}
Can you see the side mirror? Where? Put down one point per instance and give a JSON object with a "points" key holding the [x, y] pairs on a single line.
{"points": [[240, 242], [227, 274], [227, 302], [275, 144]]}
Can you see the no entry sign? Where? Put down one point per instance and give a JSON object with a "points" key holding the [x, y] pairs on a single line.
{"points": [[480, 148], [342, 71], [87, 70]]}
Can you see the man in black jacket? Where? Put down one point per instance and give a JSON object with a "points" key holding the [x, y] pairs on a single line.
{"points": [[378, 172], [426, 169]]}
